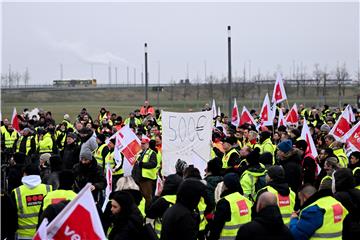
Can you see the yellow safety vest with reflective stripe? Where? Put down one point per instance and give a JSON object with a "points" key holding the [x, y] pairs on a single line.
{"points": [[226, 157], [110, 159], [201, 208], [136, 121], [157, 223], [159, 160], [340, 154], [28, 144], [286, 203], [334, 216], [28, 202], [141, 207], [148, 173], [62, 141], [10, 138], [57, 196], [247, 182], [46, 144], [240, 208], [98, 155], [268, 146], [356, 169], [324, 178]]}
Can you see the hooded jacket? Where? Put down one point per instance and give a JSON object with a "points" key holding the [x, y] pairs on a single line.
{"points": [[268, 224], [181, 221], [293, 169]]}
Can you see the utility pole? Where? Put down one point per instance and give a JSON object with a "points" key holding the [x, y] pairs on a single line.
{"points": [[229, 68], [146, 73]]}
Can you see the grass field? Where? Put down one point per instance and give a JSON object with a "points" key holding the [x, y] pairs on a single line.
{"points": [[122, 101]]}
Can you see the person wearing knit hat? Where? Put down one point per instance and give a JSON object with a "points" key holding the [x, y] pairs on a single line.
{"points": [[224, 212], [231, 157], [325, 129], [276, 183], [290, 160], [253, 178]]}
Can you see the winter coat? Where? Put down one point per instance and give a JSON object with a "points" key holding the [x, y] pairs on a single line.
{"points": [[89, 174], [268, 224], [127, 227], [181, 221], [311, 218], [293, 170], [70, 155], [211, 183]]}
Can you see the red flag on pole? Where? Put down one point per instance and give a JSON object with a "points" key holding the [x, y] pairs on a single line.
{"points": [[293, 116], [281, 120], [352, 138], [279, 93], [266, 115], [15, 120], [342, 125], [306, 135], [78, 220], [246, 117], [235, 115]]}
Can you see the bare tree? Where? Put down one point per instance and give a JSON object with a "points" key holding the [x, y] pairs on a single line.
{"points": [[317, 77], [26, 77], [325, 76]]}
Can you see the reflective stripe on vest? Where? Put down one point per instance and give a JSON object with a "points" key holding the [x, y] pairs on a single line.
{"points": [[340, 154], [240, 208], [148, 173], [10, 138], [286, 203], [110, 159], [141, 207], [171, 199], [226, 157], [28, 144], [334, 216], [98, 155], [201, 208], [28, 203], [46, 144]]}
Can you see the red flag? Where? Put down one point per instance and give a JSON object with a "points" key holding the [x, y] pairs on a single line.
{"points": [[41, 233], [293, 116], [246, 117], [279, 93], [342, 125], [78, 220], [352, 137], [109, 185], [15, 120], [235, 114], [159, 186], [281, 120], [266, 115], [128, 144], [306, 135]]}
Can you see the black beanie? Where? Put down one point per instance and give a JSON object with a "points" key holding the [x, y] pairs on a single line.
{"points": [[344, 179], [66, 179], [301, 144], [276, 173], [124, 199]]}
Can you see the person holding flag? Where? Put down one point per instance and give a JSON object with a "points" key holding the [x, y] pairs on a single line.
{"points": [[145, 170], [117, 170]]}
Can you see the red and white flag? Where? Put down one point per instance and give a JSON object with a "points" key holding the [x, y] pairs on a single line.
{"points": [[41, 233], [306, 135], [246, 117], [109, 185], [279, 93], [351, 114], [219, 124], [15, 120], [213, 109], [159, 186], [235, 119], [292, 118], [78, 220], [281, 120], [126, 143], [266, 114], [352, 138], [342, 125]]}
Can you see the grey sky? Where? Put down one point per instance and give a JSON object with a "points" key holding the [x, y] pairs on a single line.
{"points": [[42, 35]]}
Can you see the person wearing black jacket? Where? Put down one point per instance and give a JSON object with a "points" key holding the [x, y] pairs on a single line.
{"points": [[346, 193], [308, 163], [267, 224], [181, 221], [127, 221], [290, 160], [87, 171], [71, 151], [231, 157]]}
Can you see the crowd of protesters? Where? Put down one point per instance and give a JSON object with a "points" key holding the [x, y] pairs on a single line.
{"points": [[260, 183]]}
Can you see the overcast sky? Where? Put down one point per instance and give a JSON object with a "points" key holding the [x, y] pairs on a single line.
{"points": [[180, 36]]}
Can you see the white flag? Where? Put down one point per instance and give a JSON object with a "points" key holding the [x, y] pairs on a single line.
{"points": [[78, 220], [41, 233], [279, 93], [235, 116], [213, 109], [306, 135], [109, 186]]}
